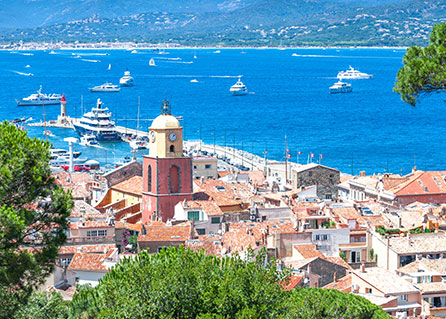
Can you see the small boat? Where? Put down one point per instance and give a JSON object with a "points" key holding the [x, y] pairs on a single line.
{"points": [[353, 74], [40, 98], [126, 80], [238, 88], [109, 67], [48, 133], [27, 66], [341, 87], [194, 81], [52, 52], [217, 51], [140, 143], [134, 51], [106, 87], [152, 62], [88, 140]]}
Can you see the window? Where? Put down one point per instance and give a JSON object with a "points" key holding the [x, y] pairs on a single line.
{"points": [[402, 298], [215, 220], [102, 232], [208, 166], [201, 231], [172, 149], [149, 179], [195, 166], [92, 233], [194, 214], [174, 179], [310, 174], [64, 262], [368, 290]]}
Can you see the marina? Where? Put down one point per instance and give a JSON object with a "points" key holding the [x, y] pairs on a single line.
{"points": [[291, 93]]}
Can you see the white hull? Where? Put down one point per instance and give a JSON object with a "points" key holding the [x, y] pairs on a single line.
{"points": [[238, 92]]}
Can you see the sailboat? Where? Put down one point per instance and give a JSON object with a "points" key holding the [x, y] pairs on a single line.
{"points": [[152, 62], [109, 67], [140, 141]]}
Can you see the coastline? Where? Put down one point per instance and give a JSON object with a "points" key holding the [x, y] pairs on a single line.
{"points": [[135, 46]]}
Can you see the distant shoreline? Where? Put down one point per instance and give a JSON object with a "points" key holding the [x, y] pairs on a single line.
{"points": [[130, 47]]}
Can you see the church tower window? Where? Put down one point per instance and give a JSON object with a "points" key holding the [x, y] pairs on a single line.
{"points": [[174, 179], [149, 179]]}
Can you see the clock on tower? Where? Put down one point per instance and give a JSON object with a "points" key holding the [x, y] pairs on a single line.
{"points": [[167, 173]]}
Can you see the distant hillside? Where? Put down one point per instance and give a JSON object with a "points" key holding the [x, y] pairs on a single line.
{"points": [[257, 23]]}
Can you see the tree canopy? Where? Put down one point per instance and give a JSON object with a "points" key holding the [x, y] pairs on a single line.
{"points": [[424, 70], [180, 283], [33, 217]]}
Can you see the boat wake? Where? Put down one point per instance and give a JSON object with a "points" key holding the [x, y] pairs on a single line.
{"points": [[87, 60], [171, 59], [92, 54], [184, 62], [23, 73]]}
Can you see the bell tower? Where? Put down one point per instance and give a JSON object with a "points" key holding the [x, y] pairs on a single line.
{"points": [[167, 174]]}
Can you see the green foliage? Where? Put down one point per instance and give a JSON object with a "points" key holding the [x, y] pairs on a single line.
{"points": [[387, 231], [328, 224], [44, 305], [33, 216], [343, 255], [424, 70], [180, 283], [328, 303]]}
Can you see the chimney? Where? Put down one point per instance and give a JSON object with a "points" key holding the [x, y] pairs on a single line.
{"points": [[362, 173], [335, 277], [362, 268], [414, 169]]}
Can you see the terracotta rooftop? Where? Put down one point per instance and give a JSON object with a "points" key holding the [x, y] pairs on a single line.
{"points": [[132, 186], [136, 227], [211, 245], [346, 213], [91, 261], [292, 282], [83, 209], [90, 224], [78, 183], [85, 249], [344, 284], [385, 281], [421, 183], [428, 265], [308, 251], [225, 194], [158, 231], [420, 243], [209, 207]]}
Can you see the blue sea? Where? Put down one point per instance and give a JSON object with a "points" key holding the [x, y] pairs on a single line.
{"points": [[370, 129]]}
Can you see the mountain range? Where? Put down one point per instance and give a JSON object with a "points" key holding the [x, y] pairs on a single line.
{"points": [[224, 22]]}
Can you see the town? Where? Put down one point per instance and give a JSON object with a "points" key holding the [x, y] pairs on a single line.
{"points": [[379, 236]]}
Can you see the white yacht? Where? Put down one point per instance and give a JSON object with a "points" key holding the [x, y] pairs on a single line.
{"points": [[88, 140], [126, 80], [152, 62], [341, 87], [97, 122], [238, 88], [353, 74], [57, 152], [106, 87], [194, 81], [40, 98]]}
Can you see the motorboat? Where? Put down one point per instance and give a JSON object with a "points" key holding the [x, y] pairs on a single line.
{"points": [[194, 81], [58, 161], [88, 140], [217, 51], [140, 142], [48, 133], [40, 98], [126, 80], [106, 87], [97, 122], [341, 87], [238, 88], [352, 74], [152, 62], [56, 152]]}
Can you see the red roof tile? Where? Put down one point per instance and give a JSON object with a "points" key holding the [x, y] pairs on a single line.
{"points": [[308, 251], [292, 282], [158, 231], [90, 261], [132, 185]]}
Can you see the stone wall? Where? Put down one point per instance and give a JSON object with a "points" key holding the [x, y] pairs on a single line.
{"points": [[123, 173], [326, 179]]}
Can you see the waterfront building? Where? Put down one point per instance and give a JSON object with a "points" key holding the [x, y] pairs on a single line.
{"points": [[325, 178], [205, 167], [167, 173]]}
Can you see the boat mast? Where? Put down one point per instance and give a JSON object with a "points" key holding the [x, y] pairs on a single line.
{"points": [[44, 121], [286, 163], [137, 120]]}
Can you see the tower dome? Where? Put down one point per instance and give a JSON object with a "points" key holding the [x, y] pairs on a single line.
{"points": [[164, 121]]}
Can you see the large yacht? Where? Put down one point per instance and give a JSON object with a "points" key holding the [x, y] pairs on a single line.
{"points": [[40, 98], [106, 87], [97, 123], [238, 88], [353, 74], [126, 80], [341, 87]]}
